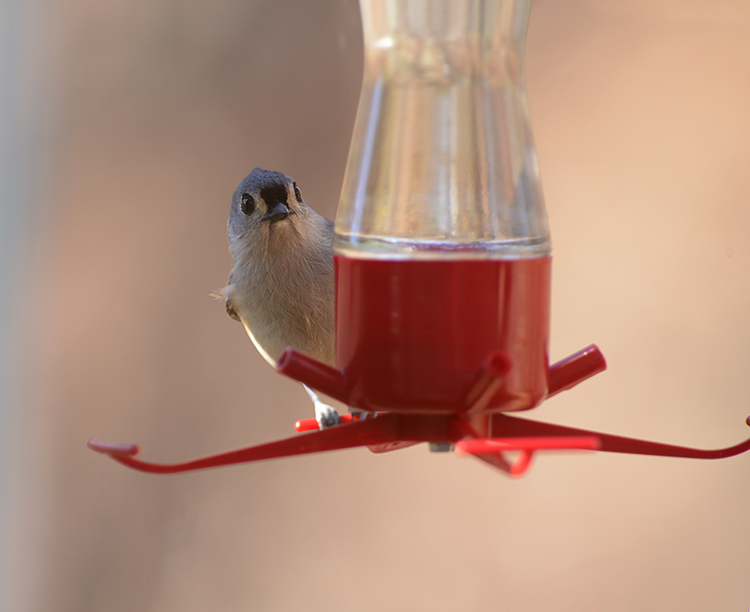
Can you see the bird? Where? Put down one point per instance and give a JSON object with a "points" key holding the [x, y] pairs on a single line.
{"points": [[281, 287]]}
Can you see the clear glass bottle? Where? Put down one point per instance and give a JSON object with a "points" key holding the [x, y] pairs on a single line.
{"points": [[442, 162]]}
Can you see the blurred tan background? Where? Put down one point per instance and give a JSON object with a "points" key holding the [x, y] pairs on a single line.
{"points": [[138, 121]]}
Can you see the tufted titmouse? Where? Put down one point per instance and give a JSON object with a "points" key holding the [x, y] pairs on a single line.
{"points": [[282, 285]]}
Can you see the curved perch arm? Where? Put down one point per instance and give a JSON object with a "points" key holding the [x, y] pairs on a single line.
{"points": [[360, 433], [503, 425]]}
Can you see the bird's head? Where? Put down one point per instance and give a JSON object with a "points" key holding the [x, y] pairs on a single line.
{"points": [[266, 203]]}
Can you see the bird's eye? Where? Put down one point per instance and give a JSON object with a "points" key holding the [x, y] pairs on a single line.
{"points": [[297, 193], [248, 204]]}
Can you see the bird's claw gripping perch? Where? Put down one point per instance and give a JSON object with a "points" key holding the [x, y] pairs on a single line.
{"points": [[325, 415]]}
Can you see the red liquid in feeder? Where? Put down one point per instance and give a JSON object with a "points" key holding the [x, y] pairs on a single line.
{"points": [[412, 335]]}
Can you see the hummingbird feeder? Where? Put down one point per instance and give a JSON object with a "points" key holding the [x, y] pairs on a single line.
{"points": [[442, 256]]}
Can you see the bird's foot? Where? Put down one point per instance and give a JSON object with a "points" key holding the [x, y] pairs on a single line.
{"points": [[361, 415], [325, 415]]}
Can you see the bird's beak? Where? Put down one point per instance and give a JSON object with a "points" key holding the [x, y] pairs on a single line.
{"points": [[277, 212]]}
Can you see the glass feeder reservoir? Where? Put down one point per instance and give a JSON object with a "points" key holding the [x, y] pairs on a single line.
{"points": [[442, 163], [442, 245]]}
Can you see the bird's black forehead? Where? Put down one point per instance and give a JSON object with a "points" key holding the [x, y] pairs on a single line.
{"points": [[274, 193], [270, 185]]}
